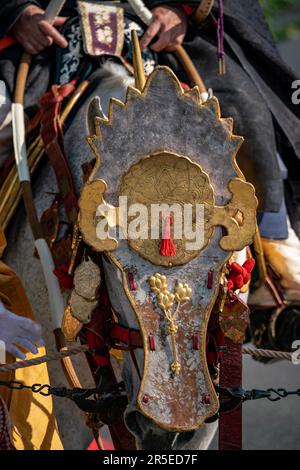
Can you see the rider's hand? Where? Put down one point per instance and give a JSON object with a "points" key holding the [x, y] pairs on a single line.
{"points": [[170, 24], [35, 33], [18, 332]]}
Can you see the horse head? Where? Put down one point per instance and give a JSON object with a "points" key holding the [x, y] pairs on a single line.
{"points": [[166, 205]]}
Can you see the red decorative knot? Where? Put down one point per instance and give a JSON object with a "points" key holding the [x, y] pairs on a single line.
{"points": [[152, 342], [196, 342], [131, 281], [167, 247], [239, 275], [146, 399], [206, 399], [210, 279]]}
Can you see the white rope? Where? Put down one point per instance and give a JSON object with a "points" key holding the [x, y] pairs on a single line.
{"points": [[72, 351]]}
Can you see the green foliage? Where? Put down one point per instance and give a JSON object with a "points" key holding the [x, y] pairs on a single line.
{"points": [[283, 17]]}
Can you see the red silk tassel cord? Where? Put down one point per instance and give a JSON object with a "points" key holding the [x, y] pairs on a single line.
{"points": [[167, 247]]}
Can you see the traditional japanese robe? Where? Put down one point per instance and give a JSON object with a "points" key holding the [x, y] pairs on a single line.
{"points": [[33, 424], [256, 90]]}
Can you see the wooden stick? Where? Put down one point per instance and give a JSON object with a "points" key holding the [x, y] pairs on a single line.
{"points": [[190, 68], [22, 78], [145, 14], [203, 11], [139, 74]]}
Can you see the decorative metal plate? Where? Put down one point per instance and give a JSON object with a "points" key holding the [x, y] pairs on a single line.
{"points": [[162, 145]]}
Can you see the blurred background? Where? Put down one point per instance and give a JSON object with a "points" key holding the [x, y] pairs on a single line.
{"points": [[275, 425], [284, 19]]}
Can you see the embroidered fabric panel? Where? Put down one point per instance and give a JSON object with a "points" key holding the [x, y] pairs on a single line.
{"points": [[102, 28]]}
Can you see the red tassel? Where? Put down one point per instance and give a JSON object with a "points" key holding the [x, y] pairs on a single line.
{"points": [[167, 247]]}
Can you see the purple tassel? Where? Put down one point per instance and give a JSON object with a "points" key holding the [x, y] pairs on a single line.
{"points": [[220, 29]]}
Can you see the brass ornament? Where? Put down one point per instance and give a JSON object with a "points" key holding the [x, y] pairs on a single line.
{"points": [[162, 121], [84, 297], [92, 196], [168, 178], [177, 181], [70, 326], [166, 300], [164, 176]]}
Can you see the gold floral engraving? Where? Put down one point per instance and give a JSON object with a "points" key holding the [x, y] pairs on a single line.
{"points": [[174, 181], [165, 301]]}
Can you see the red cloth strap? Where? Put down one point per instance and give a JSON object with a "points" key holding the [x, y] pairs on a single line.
{"points": [[51, 134], [230, 423], [122, 334]]}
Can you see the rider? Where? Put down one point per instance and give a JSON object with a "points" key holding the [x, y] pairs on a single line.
{"points": [[20, 333], [254, 91]]}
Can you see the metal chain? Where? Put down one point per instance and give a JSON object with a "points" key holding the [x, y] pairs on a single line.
{"points": [[62, 392], [271, 394], [47, 390]]}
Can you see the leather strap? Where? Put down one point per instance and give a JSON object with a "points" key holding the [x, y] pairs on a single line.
{"points": [[130, 338], [51, 134], [230, 423]]}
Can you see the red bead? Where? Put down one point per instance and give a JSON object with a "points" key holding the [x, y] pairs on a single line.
{"points": [[196, 342], [131, 281], [152, 342], [210, 279], [146, 399], [206, 399]]}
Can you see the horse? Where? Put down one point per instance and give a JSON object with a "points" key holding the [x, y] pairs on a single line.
{"points": [[110, 81]]}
